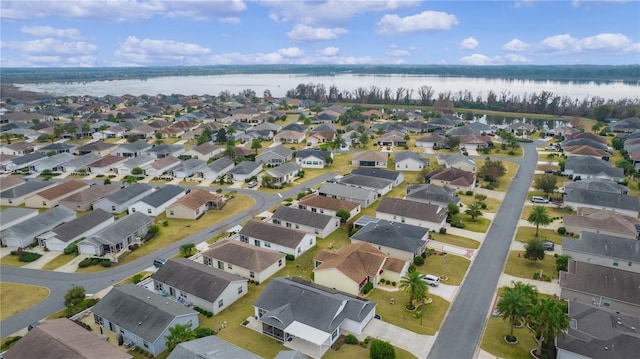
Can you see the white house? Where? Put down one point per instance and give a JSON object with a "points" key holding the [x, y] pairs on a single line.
{"points": [[321, 225], [245, 170], [419, 214], [118, 202], [328, 205], [276, 238], [310, 158], [62, 236], [217, 168], [157, 202], [410, 161]]}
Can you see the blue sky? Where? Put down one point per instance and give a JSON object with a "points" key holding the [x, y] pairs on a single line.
{"points": [[198, 32]]}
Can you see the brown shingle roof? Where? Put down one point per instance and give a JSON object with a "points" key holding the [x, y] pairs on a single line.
{"points": [[598, 280], [8, 182], [197, 198], [453, 175], [164, 162], [61, 189], [107, 161], [602, 220], [332, 204], [243, 255], [412, 209], [586, 151]]}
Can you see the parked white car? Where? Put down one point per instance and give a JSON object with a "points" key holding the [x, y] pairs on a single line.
{"points": [[432, 280]]}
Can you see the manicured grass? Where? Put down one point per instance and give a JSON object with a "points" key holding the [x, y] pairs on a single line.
{"points": [[15, 297], [524, 268], [59, 261], [455, 268], [502, 184], [497, 151], [396, 314], [481, 225], [358, 352], [526, 233], [493, 340], [551, 211], [492, 203], [455, 240], [11, 261]]}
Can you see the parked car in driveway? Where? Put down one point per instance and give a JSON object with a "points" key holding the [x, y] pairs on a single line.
{"points": [[431, 279], [539, 199], [548, 245], [252, 184]]}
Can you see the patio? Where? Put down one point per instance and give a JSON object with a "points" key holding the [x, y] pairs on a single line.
{"points": [[303, 346]]}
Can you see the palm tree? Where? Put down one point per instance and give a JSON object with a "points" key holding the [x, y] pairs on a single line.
{"points": [[338, 142], [548, 318], [187, 249], [512, 306], [473, 211], [529, 290], [539, 217], [413, 284], [256, 144]]}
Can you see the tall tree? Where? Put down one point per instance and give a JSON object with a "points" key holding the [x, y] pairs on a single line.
{"points": [[413, 284], [512, 306], [492, 170], [452, 142], [473, 211], [338, 142], [221, 136], [187, 249], [256, 144], [539, 217], [548, 318], [546, 183], [534, 250], [74, 296], [179, 333]]}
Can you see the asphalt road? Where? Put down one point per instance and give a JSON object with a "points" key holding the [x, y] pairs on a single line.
{"points": [[460, 334], [59, 283]]}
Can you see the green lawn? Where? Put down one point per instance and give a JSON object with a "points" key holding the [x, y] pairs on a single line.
{"points": [[11, 261], [524, 268], [502, 184], [358, 352], [497, 151], [396, 314], [524, 234], [493, 340], [15, 297], [551, 211], [59, 261], [454, 270], [481, 224], [492, 203], [455, 240]]}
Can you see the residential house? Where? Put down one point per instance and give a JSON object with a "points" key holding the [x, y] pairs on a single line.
{"points": [[53, 163], [458, 161], [49, 197], [603, 222], [18, 148], [62, 236], [283, 308], [246, 260], [24, 233], [27, 161], [597, 184], [410, 161], [434, 141], [157, 202], [321, 225], [143, 162], [143, 131], [275, 155], [16, 196], [293, 126], [243, 171], [475, 142], [79, 163], [442, 123], [433, 194], [598, 333], [351, 267], [627, 125], [188, 168], [162, 166], [311, 158], [400, 240], [199, 285], [195, 204], [601, 286], [57, 147], [82, 201], [584, 167], [604, 250], [587, 151], [627, 205], [284, 173], [393, 138], [589, 135], [289, 137], [10, 182], [114, 131], [380, 185], [13, 215], [106, 165], [395, 177], [62, 338], [118, 202], [362, 196], [164, 150], [5, 162], [323, 133], [326, 117], [420, 214], [461, 131], [204, 151], [142, 317], [584, 142], [117, 236], [217, 168], [370, 159], [276, 238], [100, 148], [521, 127], [328, 205], [211, 347], [133, 149], [453, 178]]}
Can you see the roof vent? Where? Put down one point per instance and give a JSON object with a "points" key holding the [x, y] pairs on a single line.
{"points": [[139, 323], [148, 297]]}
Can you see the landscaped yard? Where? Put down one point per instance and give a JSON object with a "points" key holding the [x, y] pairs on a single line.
{"points": [[59, 261], [502, 184], [358, 352], [455, 240], [492, 203], [454, 270], [11, 261], [481, 224], [493, 340], [552, 211], [15, 297], [521, 267], [497, 151], [396, 314], [524, 234]]}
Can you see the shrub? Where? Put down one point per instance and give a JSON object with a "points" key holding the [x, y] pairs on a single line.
{"points": [[387, 282], [95, 260], [29, 257], [106, 263], [300, 195], [418, 260], [165, 223], [393, 284], [562, 230], [149, 236], [134, 246], [536, 275], [443, 230], [288, 199], [412, 268], [483, 206], [137, 279], [209, 314], [153, 229], [84, 263], [71, 249], [290, 257], [351, 339], [469, 193], [202, 332], [367, 288], [382, 350]]}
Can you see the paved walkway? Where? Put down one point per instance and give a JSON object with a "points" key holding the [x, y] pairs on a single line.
{"points": [[46, 257], [550, 288], [465, 233], [416, 344], [72, 265], [451, 249]]}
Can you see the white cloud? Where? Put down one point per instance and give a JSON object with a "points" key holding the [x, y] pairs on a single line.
{"points": [[229, 20], [329, 12], [483, 60], [516, 59], [557, 43], [51, 47], [48, 31], [515, 45], [398, 53], [291, 52], [426, 21], [469, 43], [308, 33], [477, 59], [579, 3], [149, 51], [329, 51], [205, 9], [603, 42]]}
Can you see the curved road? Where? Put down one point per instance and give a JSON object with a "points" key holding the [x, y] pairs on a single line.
{"points": [[58, 283], [460, 334]]}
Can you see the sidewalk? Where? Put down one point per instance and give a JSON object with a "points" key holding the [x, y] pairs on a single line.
{"points": [[465, 233], [416, 344], [72, 265], [451, 249], [550, 288]]}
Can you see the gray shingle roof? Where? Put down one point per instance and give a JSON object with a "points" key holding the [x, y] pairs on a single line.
{"points": [[220, 164], [55, 160], [83, 160], [602, 199], [138, 161], [41, 223], [210, 347], [127, 193], [122, 228], [596, 280], [594, 166], [376, 172], [136, 146], [396, 235], [165, 148], [76, 227], [584, 142], [285, 237], [412, 209], [341, 190], [365, 181], [195, 278], [162, 195], [290, 354], [191, 164], [289, 299], [300, 216], [26, 188], [139, 311], [432, 192], [243, 255], [22, 160], [13, 213], [284, 169], [244, 168], [597, 184], [604, 245], [405, 155], [313, 153]]}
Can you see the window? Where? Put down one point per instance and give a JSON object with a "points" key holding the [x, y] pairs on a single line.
{"points": [[244, 239], [311, 241], [288, 225], [183, 294], [145, 344], [113, 208], [313, 210], [171, 212], [10, 201], [334, 335], [267, 245], [240, 290], [316, 231], [220, 265], [321, 210], [297, 226], [229, 266], [44, 203], [133, 209], [280, 263], [220, 303], [299, 250], [256, 243], [149, 210], [615, 263], [252, 275], [276, 221]]}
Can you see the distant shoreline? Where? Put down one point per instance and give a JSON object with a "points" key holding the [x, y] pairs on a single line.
{"points": [[628, 74]]}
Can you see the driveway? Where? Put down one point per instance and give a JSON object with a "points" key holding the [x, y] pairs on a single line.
{"points": [[416, 344]]}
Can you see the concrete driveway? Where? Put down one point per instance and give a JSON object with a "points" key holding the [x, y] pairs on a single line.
{"points": [[416, 344]]}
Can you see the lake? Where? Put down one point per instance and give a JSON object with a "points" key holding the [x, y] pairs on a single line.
{"points": [[279, 84]]}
